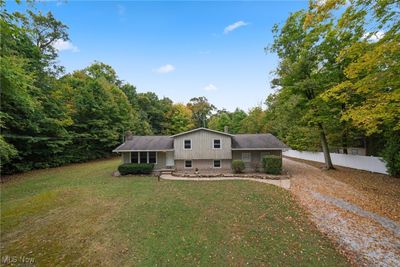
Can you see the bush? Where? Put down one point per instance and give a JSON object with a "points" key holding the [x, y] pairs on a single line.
{"points": [[134, 168], [391, 154], [272, 164], [238, 166]]}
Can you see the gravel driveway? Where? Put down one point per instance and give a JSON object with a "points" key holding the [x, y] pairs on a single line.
{"points": [[366, 237]]}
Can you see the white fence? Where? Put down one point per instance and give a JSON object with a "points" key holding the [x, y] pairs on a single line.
{"points": [[367, 163]]}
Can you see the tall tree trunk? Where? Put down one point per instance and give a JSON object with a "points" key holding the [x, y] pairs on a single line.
{"points": [[325, 148], [345, 140]]}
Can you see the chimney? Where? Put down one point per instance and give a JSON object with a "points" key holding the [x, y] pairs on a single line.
{"points": [[128, 135], [226, 129]]}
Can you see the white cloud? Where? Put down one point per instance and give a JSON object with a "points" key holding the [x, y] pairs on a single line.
{"points": [[121, 10], [62, 45], [234, 26], [374, 37], [165, 69], [210, 87]]}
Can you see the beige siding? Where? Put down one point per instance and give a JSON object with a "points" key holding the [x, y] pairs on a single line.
{"points": [[126, 157], [202, 146], [203, 165], [256, 155], [161, 157]]}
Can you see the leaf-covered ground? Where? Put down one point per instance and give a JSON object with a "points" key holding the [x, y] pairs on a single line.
{"points": [[81, 215], [352, 208]]}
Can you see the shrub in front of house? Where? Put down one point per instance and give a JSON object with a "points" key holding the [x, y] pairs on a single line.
{"points": [[238, 166], [272, 164], [135, 168]]}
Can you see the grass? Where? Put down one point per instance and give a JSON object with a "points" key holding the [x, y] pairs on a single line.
{"points": [[81, 215]]}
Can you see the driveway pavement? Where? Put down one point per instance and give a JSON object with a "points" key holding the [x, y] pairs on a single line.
{"points": [[367, 238]]}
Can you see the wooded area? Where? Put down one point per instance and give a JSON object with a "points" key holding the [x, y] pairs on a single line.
{"points": [[337, 85]]}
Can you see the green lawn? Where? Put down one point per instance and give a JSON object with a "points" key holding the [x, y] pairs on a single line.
{"points": [[81, 215]]}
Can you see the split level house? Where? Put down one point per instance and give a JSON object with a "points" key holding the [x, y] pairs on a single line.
{"points": [[200, 149]]}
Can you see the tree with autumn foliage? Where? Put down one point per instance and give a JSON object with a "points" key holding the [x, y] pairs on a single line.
{"points": [[339, 70]]}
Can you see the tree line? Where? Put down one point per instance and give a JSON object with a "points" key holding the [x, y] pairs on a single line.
{"points": [[49, 118], [338, 78], [336, 86]]}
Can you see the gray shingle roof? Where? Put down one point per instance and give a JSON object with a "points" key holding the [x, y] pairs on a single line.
{"points": [[201, 129], [142, 143], [239, 141], [258, 141]]}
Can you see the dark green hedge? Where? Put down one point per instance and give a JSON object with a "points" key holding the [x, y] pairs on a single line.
{"points": [[272, 164], [238, 166], [134, 168]]}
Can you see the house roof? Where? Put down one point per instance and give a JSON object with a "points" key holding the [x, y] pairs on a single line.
{"points": [[256, 141], [201, 129], [147, 143], [239, 142]]}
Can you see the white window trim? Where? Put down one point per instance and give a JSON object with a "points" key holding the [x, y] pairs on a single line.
{"points": [[249, 156], [147, 157], [220, 164], [191, 144], [184, 164], [220, 143], [130, 157]]}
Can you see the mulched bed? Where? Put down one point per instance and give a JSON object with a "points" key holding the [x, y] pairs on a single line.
{"points": [[244, 175]]}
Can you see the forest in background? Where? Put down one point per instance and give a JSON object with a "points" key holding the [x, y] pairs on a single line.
{"points": [[336, 86]]}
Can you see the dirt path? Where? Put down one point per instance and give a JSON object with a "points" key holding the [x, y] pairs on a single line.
{"points": [[368, 238]]}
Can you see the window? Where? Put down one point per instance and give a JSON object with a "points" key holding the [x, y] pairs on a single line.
{"points": [[263, 154], [153, 157], [134, 157], [187, 144], [217, 143], [246, 157], [143, 157], [188, 164], [217, 164]]}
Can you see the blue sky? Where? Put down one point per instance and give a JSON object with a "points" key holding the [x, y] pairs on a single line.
{"points": [[177, 49]]}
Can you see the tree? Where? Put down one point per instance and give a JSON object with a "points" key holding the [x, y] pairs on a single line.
{"points": [[201, 110], [370, 89], [178, 119], [153, 110], [33, 109], [254, 122], [220, 120], [298, 71], [233, 120]]}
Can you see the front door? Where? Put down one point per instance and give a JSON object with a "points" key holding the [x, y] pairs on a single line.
{"points": [[169, 162]]}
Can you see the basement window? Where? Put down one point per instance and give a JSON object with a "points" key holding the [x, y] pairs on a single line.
{"points": [[246, 157], [188, 164], [217, 163]]}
